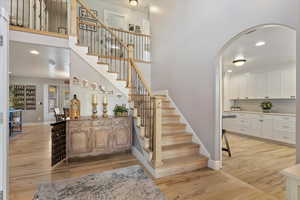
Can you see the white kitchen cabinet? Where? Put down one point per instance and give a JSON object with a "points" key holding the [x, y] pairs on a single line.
{"points": [[234, 87], [288, 77], [260, 83], [272, 127], [250, 86], [243, 82], [267, 127], [274, 84]]}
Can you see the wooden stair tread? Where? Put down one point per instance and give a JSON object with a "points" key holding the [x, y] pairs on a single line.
{"points": [[170, 116], [167, 108], [179, 134], [174, 124], [185, 160], [179, 146], [182, 164], [176, 133]]}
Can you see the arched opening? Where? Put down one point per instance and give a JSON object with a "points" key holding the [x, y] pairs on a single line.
{"points": [[257, 105]]}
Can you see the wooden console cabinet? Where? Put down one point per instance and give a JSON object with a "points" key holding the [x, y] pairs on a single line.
{"points": [[89, 137]]}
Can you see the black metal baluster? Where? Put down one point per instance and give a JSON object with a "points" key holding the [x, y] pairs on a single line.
{"points": [[17, 19]]}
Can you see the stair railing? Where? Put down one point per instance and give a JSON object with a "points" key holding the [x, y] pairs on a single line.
{"points": [[102, 40], [39, 15]]}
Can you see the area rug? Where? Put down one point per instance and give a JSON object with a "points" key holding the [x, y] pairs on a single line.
{"points": [[122, 184]]}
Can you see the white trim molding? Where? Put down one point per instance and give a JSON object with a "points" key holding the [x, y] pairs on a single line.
{"points": [[4, 14], [215, 164]]}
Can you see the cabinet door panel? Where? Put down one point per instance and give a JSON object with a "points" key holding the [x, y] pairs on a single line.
{"points": [[103, 136], [260, 85], [274, 84], [243, 81], [267, 129], [289, 82], [234, 87], [122, 133], [80, 141]]}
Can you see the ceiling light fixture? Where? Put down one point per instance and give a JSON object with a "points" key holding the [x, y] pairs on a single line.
{"points": [[133, 2], [34, 52], [260, 43], [229, 71], [239, 62]]}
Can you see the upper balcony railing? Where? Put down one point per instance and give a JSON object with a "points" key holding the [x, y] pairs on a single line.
{"points": [[53, 16], [89, 33], [40, 15]]}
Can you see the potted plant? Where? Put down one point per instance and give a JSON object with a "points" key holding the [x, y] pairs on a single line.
{"points": [[266, 106], [120, 111]]}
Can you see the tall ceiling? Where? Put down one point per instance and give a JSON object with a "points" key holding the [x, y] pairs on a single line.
{"points": [[53, 63], [279, 50]]}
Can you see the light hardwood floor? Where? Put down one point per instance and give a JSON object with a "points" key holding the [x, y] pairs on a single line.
{"points": [[30, 166], [259, 162]]}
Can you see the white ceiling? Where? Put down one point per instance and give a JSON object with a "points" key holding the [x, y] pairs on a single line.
{"points": [[51, 62], [280, 49], [143, 4]]}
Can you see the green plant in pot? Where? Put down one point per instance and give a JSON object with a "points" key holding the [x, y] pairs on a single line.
{"points": [[120, 111], [266, 106]]}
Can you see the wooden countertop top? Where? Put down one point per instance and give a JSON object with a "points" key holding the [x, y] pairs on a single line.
{"points": [[256, 112], [92, 119]]}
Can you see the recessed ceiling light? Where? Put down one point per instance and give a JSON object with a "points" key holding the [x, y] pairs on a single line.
{"points": [[260, 43], [133, 2], [239, 62], [34, 52], [229, 71]]}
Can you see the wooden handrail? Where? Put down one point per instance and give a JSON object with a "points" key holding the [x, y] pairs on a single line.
{"points": [[140, 76], [112, 28], [132, 33]]}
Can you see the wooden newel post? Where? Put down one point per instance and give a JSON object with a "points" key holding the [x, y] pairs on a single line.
{"points": [[130, 56], [157, 137], [73, 18]]}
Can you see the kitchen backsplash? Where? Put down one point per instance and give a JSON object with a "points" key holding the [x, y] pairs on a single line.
{"points": [[282, 105]]}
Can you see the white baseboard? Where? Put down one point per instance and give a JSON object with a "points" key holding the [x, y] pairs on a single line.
{"points": [[215, 164], [142, 159]]}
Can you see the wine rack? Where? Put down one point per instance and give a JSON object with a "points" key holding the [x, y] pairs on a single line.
{"points": [[30, 97], [18, 96], [23, 97]]}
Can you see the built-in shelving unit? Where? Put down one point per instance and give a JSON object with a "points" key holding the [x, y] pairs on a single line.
{"points": [[23, 97], [30, 97]]}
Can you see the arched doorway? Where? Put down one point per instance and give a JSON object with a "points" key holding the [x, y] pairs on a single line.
{"points": [[258, 70]]}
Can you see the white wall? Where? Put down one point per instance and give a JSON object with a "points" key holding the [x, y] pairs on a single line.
{"points": [[4, 100], [187, 37], [298, 89], [79, 68], [132, 16]]}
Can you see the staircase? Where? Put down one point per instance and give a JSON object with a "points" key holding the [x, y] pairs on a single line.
{"points": [[179, 153], [167, 146]]}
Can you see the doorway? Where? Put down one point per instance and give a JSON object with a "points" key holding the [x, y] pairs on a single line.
{"points": [[258, 104]]}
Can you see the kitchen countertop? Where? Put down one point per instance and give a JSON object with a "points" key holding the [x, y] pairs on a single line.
{"points": [[256, 112]]}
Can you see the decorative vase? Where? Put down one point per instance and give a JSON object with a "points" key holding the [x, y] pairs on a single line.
{"points": [[75, 108]]}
